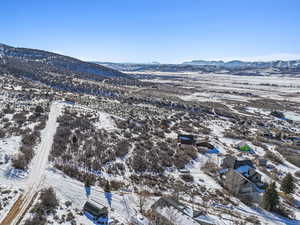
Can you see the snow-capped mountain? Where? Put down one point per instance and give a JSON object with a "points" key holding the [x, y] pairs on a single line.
{"points": [[243, 64], [235, 67]]}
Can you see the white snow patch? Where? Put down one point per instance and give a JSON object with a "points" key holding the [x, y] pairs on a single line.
{"points": [[105, 122]]}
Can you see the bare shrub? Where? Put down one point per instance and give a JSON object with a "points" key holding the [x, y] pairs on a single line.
{"points": [[19, 118], [28, 152], [187, 177], [29, 139], [273, 157], [48, 199], [8, 110], [20, 162], [40, 126], [116, 185], [39, 109], [286, 212], [2, 134], [253, 220], [139, 164], [181, 160], [122, 148], [36, 220], [210, 166]]}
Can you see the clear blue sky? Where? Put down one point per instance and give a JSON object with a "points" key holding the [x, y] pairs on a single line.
{"points": [[154, 30]]}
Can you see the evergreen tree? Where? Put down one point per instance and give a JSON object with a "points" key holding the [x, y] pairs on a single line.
{"points": [[107, 193], [87, 182], [288, 185], [107, 187], [270, 198]]}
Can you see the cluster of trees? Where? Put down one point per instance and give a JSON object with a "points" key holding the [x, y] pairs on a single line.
{"points": [[36, 220], [22, 160], [47, 205], [154, 156], [271, 199], [29, 140], [290, 155], [79, 146]]}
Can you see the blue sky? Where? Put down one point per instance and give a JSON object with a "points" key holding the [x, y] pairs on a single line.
{"points": [[158, 30]]}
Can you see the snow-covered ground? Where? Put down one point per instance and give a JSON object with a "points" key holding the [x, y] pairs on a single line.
{"points": [[105, 122], [123, 208], [204, 87], [210, 85], [9, 194], [32, 183]]}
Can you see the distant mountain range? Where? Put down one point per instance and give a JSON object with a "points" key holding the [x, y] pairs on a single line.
{"points": [[244, 64], [39, 65], [236, 67]]}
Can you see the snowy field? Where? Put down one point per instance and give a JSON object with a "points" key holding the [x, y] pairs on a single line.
{"points": [[213, 88], [276, 87]]}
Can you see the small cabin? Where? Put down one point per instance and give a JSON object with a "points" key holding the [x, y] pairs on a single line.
{"points": [[164, 124], [205, 144], [95, 212], [186, 139]]}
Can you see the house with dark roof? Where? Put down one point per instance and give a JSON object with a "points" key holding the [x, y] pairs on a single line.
{"points": [[205, 144], [186, 139], [231, 162], [96, 212], [296, 140]]}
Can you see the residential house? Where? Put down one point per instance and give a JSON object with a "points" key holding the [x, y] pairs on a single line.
{"points": [[205, 144], [261, 162], [186, 139], [240, 186], [96, 212], [231, 162], [168, 211], [241, 178]]}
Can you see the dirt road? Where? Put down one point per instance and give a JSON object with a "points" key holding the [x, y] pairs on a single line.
{"points": [[37, 169]]}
